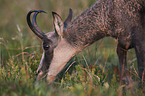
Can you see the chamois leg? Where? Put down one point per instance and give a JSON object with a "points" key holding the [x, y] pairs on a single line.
{"points": [[122, 53], [140, 54], [138, 39]]}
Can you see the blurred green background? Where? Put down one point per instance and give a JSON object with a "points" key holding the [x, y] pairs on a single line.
{"points": [[14, 32], [20, 53]]}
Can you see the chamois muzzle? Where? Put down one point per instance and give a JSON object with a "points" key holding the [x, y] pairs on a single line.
{"points": [[33, 26]]}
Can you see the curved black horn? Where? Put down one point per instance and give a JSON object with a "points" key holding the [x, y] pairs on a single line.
{"points": [[34, 26], [34, 23]]}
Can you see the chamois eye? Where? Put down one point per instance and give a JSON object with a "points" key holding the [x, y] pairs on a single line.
{"points": [[46, 47]]}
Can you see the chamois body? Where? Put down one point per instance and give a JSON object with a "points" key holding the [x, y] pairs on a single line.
{"points": [[115, 18], [121, 19]]}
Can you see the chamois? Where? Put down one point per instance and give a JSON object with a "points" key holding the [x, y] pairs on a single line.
{"points": [[120, 19]]}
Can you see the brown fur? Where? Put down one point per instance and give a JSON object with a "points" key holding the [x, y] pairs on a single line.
{"points": [[121, 19]]}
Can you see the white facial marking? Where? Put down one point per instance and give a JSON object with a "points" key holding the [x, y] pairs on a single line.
{"points": [[62, 54], [41, 62]]}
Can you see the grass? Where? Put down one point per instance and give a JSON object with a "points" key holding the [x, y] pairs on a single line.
{"points": [[94, 71]]}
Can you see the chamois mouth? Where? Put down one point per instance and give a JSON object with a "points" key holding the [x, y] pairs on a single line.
{"points": [[41, 75]]}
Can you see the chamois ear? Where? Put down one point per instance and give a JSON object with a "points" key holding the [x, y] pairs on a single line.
{"points": [[68, 19], [58, 24]]}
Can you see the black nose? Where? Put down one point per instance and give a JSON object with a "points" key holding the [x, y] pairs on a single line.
{"points": [[37, 72]]}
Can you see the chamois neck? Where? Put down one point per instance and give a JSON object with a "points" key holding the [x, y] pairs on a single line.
{"points": [[88, 27]]}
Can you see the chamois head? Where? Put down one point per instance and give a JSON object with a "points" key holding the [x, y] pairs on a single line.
{"points": [[56, 50]]}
